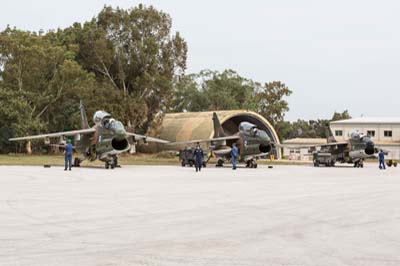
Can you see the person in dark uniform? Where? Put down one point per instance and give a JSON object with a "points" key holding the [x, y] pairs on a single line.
{"points": [[68, 155], [234, 154], [198, 157], [382, 160]]}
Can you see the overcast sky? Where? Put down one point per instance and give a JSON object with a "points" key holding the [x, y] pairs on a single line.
{"points": [[334, 55]]}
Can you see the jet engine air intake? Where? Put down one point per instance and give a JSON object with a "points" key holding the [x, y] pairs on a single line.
{"points": [[370, 147], [369, 150], [265, 148], [119, 144]]}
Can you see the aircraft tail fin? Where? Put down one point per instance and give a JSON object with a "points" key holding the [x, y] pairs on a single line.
{"points": [[84, 121], [329, 136], [218, 130]]}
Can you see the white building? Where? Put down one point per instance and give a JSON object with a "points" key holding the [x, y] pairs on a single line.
{"points": [[384, 131], [299, 148]]}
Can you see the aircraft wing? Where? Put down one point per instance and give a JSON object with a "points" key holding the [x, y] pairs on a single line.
{"points": [[204, 140], [146, 138], [312, 146], [55, 135], [60, 146], [377, 149]]}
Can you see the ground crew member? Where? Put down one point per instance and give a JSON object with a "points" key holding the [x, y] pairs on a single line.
{"points": [[382, 160], [234, 154], [198, 157], [68, 155]]}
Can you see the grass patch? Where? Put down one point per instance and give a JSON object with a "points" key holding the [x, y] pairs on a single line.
{"points": [[125, 159], [58, 160]]}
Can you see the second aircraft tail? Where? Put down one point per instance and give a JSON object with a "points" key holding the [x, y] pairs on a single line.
{"points": [[218, 130], [84, 121]]}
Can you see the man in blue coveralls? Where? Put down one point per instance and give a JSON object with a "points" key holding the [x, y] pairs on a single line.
{"points": [[198, 157], [235, 154], [68, 155], [382, 160]]}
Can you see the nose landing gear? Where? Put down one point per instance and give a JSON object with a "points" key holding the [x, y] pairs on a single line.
{"points": [[220, 163], [359, 163], [111, 163], [251, 163], [77, 162]]}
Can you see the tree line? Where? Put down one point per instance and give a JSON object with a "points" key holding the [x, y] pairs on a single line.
{"points": [[128, 62]]}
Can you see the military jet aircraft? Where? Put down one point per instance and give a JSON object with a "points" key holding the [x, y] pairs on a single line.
{"points": [[104, 141], [353, 151], [251, 142]]}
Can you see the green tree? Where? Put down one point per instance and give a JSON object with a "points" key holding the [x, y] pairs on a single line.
{"points": [[226, 90], [122, 61], [213, 90], [16, 118], [270, 101], [46, 79], [134, 52], [188, 96], [341, 116]]}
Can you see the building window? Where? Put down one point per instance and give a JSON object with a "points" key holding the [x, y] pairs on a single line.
{"points": [[338, 133], [371, 133], [387, 133]]}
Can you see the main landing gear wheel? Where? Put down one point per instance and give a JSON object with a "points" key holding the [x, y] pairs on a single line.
{"points": [[359, 164], [220, 163], [111, 163], [251, 164], [77, 162]]}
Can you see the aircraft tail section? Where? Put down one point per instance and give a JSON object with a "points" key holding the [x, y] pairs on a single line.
{"points": [[329, 136], [218, 130], [84, 121]]}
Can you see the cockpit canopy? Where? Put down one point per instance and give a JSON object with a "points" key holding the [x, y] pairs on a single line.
{"points": [[247, 127], [99, 116], [252, 130], [357, 135]]}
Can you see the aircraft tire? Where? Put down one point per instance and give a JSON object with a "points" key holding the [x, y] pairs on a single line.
{"points": [[77, 162], [107, 165], [183, 163], [252, 164]]}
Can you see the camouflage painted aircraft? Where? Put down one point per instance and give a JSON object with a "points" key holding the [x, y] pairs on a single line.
{"points": [[104, 141], [251, 142], [353, 151]]}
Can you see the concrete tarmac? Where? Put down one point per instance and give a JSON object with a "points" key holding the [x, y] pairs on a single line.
{"points": [[167, 215]]}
